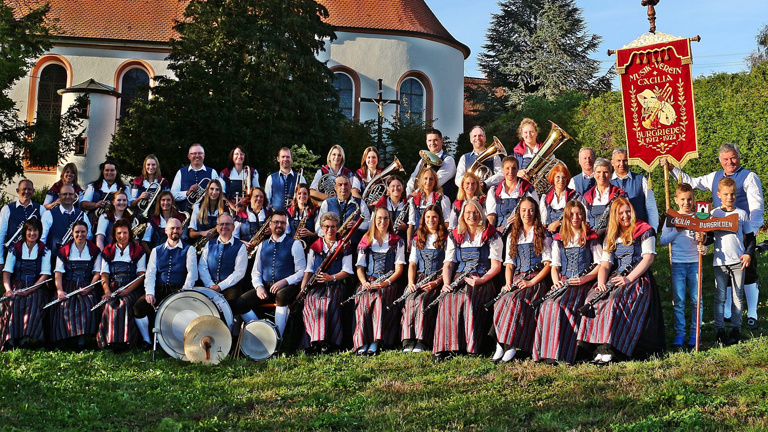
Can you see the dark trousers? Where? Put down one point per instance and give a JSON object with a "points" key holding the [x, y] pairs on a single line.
{"points": [[250, 300], [142, 309]]}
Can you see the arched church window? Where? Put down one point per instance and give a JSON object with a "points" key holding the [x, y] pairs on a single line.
{"points": [[411, 99], [134, 85], [53, 77], [345, 87]]}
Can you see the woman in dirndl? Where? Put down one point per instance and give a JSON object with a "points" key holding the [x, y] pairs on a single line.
{"points": [[396, 203], [77, 265], [302, 211], [428, 191], [28, 263], [107, 220], [552, 203], [426, 259], [379, 252], [575, 249], [322, 305], [527, 267], [475, 247], [615, 325], [122, 261], [470, 189]]}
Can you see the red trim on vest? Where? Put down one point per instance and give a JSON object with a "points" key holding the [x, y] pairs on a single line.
{"points": [[57, 187], [16, 248], [613, 193], [520, 148], [393, 240], [640, 228], [435, 196], [489, 231], [550, 196], [64, 251], [134, 251], [524, 187]]}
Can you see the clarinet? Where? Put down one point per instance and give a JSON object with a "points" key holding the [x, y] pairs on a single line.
{"points": [[603, 221], [72, 294], [427, 279], [609, 288], [23, 290], [360, 293], [115, 293], [527, 275], [508, 226], [455, 284], [402, 214], [558, 292]]}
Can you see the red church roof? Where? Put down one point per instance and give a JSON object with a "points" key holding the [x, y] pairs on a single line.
{"points": [[153, 20]]}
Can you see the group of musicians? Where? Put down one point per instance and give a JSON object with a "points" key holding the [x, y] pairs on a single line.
{"points": [[360, 259]]}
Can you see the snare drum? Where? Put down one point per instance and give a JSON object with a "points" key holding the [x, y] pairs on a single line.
{"points": [[261, 340], [179, 309]]}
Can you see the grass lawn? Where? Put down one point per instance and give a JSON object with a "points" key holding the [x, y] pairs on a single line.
{"points": [[716, 389]]}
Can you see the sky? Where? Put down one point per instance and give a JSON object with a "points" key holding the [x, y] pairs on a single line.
{"points": [[727, 29]]}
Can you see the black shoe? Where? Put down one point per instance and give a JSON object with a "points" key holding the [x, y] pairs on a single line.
{"points": [[735, 336], [325, 348], [722, 337], [727, 319], [145, 346], [752, 323], [440, 356]]}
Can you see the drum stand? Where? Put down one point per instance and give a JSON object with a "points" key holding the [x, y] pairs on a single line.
{"points": [[155, 331], [239, 343]]}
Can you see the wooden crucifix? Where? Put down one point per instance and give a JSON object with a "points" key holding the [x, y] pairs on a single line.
{"points": [[380, 102], [701, 222]]}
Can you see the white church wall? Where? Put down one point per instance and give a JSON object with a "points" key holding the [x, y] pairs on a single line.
{"points": [[390, 57]]}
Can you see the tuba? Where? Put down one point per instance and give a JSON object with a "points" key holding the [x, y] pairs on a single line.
{"points": [[481, 171], [378, 185], [145, 205], [544, 159], [428, 160]]}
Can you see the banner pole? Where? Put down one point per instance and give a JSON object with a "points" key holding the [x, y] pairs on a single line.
{"points": [[698, 301], [666, 199]]}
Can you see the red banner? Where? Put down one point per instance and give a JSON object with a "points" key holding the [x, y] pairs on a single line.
{"points": [[657, 98]]}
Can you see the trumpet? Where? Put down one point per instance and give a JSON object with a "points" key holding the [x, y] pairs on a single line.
{"points": [[17, 235], [377, 187], [145, 205], [289, 201], [478, 168], [197, 196], [259, 237], [101, 210]]}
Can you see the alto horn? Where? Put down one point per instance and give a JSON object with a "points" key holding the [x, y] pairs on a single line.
{"points": [[478, 168], [544, 159], [377, 187]]}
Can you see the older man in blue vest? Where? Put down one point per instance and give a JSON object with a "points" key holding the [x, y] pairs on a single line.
{"points": [[224, 261], [171, 267], [276, 274], [13, 215], [749, 197], [188, 179], [585, 180]]}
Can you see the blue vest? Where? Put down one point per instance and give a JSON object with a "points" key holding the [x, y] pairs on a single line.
{"points": [[345, 209], [595, 212], [158, 234], [59, 227], [122, 272], [574, 259], [171, 265], [449, 188], [78, 270], [504, 208], [480, 255], [379, 263], [282, 187], [293, 223], [189, 178], [221, 258], [211, 221], [624, 254], [469, 159], [526, 259], [28, 270], [247, 228], [582, 184], [429, 260], [740, 176], [18, 215], [277, 260], [633, 186], [336, 265]]}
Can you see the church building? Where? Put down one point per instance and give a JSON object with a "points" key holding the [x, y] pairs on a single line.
{"points": [[111, 48]]}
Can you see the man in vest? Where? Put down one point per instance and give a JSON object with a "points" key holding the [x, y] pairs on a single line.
{"points": [[281, 185], [585, 180], [172, 266], [344, 204], [478, 138], [58, 221], [636, 187], [749, 197], [446, 172], [224, 261], [188, 179], [13, 215], [276, 274]]}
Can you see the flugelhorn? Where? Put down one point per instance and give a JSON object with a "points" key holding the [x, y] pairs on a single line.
{"points": [[145, 205], [377, 187], [197, 196]]}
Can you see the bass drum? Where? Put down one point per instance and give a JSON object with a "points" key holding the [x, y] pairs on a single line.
{"points": [[179, 309], [261, 340]]}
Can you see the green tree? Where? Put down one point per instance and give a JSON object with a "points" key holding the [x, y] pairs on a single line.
{"points": [[245, 74], [540, 48], [23, 37], [760, 54]]}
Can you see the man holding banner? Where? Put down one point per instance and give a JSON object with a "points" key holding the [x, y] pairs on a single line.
{"points": [[749, 197]]}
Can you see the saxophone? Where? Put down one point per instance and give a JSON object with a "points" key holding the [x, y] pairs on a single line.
{"points": [[259, 237], [301, 225], [353, 216]]}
